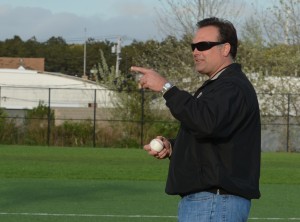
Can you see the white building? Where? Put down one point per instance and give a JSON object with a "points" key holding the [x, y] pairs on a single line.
{"points": [[26, 89]]}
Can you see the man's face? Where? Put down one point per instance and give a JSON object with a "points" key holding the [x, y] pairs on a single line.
{"points": [[208, 61]]}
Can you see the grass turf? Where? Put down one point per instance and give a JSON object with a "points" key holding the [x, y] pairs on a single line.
{"points": [[93, 184]]}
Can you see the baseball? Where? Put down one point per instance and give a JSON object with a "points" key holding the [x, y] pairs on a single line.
{"points": [[156, 145]]}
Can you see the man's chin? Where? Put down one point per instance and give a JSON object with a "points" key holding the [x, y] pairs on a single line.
{"points": [[200, 70]]}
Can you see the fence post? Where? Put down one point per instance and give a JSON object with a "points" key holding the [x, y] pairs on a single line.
{"points": [[142, 116], [94, 130], [288, 124], [49, 117]]}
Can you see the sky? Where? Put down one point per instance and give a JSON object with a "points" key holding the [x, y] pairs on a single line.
{"points": [[76, 20]]}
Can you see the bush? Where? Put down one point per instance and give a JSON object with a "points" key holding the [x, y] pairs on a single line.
{"points": [[72, 133], [36, 123], [8, 129]]}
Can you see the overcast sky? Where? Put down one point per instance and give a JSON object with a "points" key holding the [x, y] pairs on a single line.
{"points": [[102, 19]]}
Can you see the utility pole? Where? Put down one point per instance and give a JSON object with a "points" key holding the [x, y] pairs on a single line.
{"points": [[84, 56], [117, 49]]}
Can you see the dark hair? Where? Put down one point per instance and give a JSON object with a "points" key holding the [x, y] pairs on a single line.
{"points": [[226, 30]]}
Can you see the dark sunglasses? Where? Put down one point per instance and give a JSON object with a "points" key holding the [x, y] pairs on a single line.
{"points": [[202, 46]]}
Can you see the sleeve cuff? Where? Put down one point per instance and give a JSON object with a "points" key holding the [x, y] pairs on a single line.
{"points": [[170, 92]]}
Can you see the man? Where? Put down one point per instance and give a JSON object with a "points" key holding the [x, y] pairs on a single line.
{"points": [[215, 158]]}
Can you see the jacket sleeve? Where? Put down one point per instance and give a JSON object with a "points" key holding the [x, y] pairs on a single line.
{"points": [[216, 113]]}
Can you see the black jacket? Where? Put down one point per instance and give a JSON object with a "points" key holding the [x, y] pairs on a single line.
{"points": [[218, 144]]}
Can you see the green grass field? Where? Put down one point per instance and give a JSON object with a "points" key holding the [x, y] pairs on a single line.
{"points": [[94, 184]]}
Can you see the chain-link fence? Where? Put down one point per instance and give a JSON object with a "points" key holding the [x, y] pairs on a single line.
{"points": [[107, 118]]}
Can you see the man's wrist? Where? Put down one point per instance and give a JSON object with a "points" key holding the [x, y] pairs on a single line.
{"points": [[166, 87]]}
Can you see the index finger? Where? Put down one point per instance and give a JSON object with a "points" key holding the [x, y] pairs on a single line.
{"points": [[139, 69]]}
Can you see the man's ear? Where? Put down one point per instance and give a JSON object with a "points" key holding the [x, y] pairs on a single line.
{"points": [[226, 49]]}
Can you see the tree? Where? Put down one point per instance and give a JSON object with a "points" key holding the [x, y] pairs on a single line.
{"points": [[278, 23], [13, 47], [283, 22], [33, 48], [55, 51], [74, 60], [179, 17], [93, 56], [271, 40]]}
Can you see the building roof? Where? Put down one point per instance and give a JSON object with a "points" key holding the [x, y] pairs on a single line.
{"points": [[28, 63]]}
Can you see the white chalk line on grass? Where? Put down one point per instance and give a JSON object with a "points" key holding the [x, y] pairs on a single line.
{"points": [[86, 215], [275, 218], [124, 216]]}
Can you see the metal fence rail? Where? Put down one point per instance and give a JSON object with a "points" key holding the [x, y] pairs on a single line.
{"points": [[107, 118]]}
